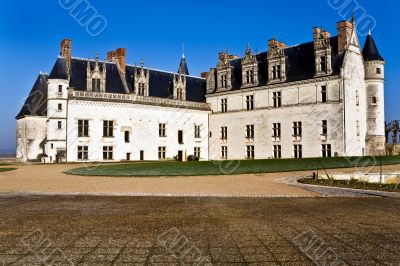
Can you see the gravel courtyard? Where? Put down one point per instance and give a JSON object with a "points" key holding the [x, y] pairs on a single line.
{"points": [[36, 230]]}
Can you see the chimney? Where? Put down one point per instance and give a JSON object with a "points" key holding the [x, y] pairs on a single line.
{"points": [[120, 56], [345, 29], [65, 50], [319, 32], [233, 57], [204, 75], [275, 43]]}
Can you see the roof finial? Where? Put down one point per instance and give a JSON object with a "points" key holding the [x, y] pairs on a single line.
{"points": [[353, 18], [97, 56], [369, 32], [142, 62], [183, 50]]}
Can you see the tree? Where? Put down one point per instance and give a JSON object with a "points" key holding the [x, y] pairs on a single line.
{"points": [[388, 129], [395, 129]]}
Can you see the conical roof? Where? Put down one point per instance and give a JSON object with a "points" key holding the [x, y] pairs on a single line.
{"points": [[370, 51]]}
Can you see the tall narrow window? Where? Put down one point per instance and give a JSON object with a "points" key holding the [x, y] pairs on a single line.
{"points": [[60, 88], [142, 88], [224, 152], [250, 152], [326, 150], [277, 151], [59, 107], [276, 130], [83, 153], [127, 136], [108, 129], [249, 77], [297, 130], [276, 72], [358, 128], [250, 131], [59, 125], [323, 64], [324, 127], [96, 85], [83, 128], [357, 98], [162, 130], [224, 105], [298, 151], [197, 132], [180, 137], [374, 100], [250, 102], [162, 153], [197, 152], [277, 99], [108, 153], [224, 133], [324, 97]]}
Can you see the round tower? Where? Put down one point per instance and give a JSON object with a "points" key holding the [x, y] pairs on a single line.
{"points": [[374, 85]]}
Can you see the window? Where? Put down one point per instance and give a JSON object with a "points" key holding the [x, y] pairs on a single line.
{"points": [[128, 156], [180, 94], [59, 107], [224, 152], [250, 131], [298, 151], [197, 152], [357, 98], [59, 88], [161, 153], [277, 98], [108, 152], [142, 88], [249, 76], [223, 81], [162, 130], [108, 129], [52, 146], [277, 151], [324, 127], [197, 132], [276, 72], [250, 152], [83, 128], [83, 153], [224, 133], [127, 136], [297, 129], [276, 130], [96, 85], [323, 94], [358, 128], [326, 150], [59, 125], [374, 100], [250, 102], [378, 71], [224, 105], [180, 136], [323, 64]]}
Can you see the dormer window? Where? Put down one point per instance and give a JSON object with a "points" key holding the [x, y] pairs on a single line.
{"points": [[223, 81], [249, 69], [180, 94], [250, 76], [276, 61], [323, 64], [142, 88], [96, 84], [276, 72]]}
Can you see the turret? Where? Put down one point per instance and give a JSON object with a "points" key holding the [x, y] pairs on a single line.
{"points": [[374, 84]]}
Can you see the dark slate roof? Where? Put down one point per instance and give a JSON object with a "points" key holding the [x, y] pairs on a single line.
{"points": [[370, 51], [300, 64], [183, 68], [36, 102], [161, 82]]}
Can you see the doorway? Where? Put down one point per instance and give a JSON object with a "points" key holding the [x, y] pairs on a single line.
{"points": [[180, 156], [142, 155]]}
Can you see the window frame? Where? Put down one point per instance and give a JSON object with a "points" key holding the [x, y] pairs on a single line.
{"points": [[83, 128], [108, 128], [83, 153], [250, 152], [108, 153]]}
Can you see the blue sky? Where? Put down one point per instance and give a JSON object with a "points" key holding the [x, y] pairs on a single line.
{"points": [[31, 31]]}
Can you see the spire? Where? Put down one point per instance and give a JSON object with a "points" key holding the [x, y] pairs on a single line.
{"points": [[370, 51], [183, 69]]}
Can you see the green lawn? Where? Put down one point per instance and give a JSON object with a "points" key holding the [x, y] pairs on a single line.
{"points": [[6, 169], [228, 167]]}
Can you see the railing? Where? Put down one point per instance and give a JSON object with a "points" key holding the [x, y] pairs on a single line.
{"points": [[137, 99]]}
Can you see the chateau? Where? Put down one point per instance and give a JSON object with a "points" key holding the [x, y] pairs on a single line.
{"points": [[318, 99]]}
